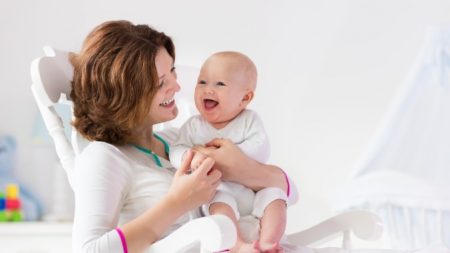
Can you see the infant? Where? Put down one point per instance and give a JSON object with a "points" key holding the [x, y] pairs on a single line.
{"points": [[225, 86]]}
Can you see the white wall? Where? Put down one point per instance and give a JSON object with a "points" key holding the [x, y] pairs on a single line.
{"points": [[328, 70]]}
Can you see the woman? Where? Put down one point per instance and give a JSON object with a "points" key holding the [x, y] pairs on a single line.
{"points": [[127, 193]]}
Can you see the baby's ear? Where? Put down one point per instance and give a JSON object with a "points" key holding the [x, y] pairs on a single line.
{"points": [[247, 97]]}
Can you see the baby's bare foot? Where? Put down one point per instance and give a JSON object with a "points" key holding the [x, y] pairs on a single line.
{"points": [[268, 247]]}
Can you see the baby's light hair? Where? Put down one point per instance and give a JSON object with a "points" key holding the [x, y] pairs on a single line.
{"points": [[242, 61]]}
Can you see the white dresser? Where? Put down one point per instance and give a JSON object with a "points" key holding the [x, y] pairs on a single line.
{"points": [[35, 237]]}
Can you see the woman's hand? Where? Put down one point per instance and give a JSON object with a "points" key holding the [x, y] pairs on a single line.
{"points": [[238, 167], [187, 191], [228, 157], [190, 189]]}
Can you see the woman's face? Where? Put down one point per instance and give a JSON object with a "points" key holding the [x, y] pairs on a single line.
{"points": [[163, 107]]}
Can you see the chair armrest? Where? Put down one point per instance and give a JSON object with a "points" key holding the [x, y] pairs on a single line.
{"points": [[209, 234], [365, 225]]}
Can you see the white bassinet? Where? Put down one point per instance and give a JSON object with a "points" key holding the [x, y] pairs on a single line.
{"points": [[405, 175]]}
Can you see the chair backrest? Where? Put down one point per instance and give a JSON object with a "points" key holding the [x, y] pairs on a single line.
{"points": [[52, 77], [51, 84]]}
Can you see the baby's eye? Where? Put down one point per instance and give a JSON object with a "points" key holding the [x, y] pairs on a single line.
{"points": [[201, 82], [221, 84]]}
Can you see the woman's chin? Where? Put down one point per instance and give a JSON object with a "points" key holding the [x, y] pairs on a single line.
{"points": [[166, 115], [172, 114]]}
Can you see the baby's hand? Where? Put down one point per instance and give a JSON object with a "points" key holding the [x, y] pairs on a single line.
{"points": [[197, 160]]}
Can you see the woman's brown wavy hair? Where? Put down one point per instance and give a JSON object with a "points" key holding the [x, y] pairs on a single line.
{"points": [[115, 79]]}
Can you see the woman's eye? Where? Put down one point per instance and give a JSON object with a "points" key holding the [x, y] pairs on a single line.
{"points": [[221, 84], [174, 73], [161, 84], [173, 70]]}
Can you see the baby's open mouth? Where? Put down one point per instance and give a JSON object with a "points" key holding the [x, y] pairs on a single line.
{"points": [[210, 104]]}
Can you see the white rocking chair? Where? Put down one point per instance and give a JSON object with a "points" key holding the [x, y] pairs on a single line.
{"points": [[51, 84]]}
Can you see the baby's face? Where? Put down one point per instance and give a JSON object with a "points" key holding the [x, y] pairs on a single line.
{"points": [[220, 93]]}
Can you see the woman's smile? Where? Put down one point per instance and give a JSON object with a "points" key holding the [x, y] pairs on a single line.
{"points": [[168, 103]]}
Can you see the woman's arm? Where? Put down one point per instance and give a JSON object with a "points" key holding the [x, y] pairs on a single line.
{"points": [[186, 193], [101, 193], [237, 167]]}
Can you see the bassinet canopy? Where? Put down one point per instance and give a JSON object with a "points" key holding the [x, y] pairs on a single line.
{"points": [[407, 163]]}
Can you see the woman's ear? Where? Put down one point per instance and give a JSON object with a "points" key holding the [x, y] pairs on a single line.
{"points": [[247, 97]]}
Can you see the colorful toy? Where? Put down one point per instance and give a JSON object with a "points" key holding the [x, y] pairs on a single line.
{"points": [[2, 207], [21, 203], [13, 204]]}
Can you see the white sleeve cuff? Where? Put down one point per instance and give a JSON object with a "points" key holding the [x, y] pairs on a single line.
{"points": [[223, 197], [266, 196]]}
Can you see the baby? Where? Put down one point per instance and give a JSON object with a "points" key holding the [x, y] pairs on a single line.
{"points": [[225, 86]]}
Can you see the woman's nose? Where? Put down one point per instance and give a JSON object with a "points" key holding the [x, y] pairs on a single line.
{"points": [[176, 86]]}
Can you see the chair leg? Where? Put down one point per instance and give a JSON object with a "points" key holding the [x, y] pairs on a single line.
{"points": [[346, 241]]}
